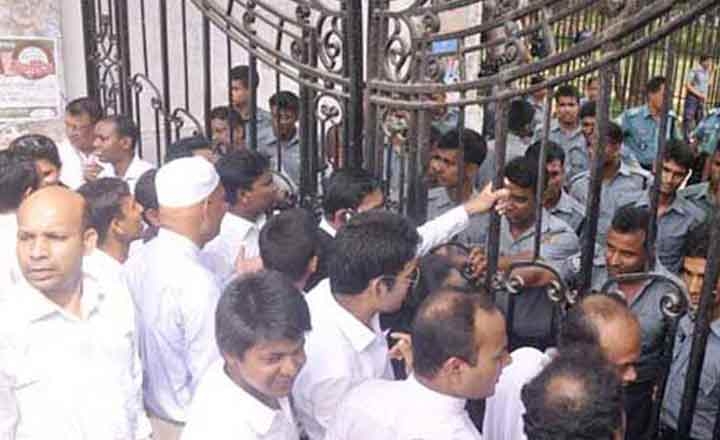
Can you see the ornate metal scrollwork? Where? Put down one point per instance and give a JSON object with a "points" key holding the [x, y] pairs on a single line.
{"points": [[673, 303]]}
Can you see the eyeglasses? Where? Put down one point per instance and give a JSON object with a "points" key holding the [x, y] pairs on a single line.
{"points": [[412, 279]]}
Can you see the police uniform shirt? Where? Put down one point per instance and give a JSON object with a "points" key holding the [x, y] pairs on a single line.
{"points": [[288, 153], [646, 306], [438, 202], [627, 180], [569, 210], [641, 132], [699, 78], [708, 397], [265, 133], [707, 133], [407, 410], [700, 195], [539, 115], [573, 144], [515, 146], [673, 227]]}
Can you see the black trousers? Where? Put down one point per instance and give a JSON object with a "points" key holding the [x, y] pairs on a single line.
{"points": [[638, 408]]}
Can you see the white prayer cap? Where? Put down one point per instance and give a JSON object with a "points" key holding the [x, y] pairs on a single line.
{"points": [[185, 182]]}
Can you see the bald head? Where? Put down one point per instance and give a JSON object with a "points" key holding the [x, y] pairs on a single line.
{"points": [[606, 322], [53, 238]]}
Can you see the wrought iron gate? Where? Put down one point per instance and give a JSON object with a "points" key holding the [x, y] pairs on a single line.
{"points": [[366, 72]]}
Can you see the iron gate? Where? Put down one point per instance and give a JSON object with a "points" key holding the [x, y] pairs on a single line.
{"points": [[365, 72]]}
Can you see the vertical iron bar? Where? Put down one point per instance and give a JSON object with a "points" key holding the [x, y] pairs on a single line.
{"points": [[355, 73], [253, 80], [542, 171], [186, 84], [493, 245], [164, 59], [207, 74], [595, 184], [123, 32], [700, 334], [662, 141], [90, 38], [143, 26]]}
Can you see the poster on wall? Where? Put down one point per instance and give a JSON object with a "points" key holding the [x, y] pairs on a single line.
{"points": [[29, 83]]}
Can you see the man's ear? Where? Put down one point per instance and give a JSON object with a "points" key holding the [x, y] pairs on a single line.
{"points": [[90, 239]]}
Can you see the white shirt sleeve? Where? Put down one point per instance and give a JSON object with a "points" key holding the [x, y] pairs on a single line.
{"points": [[442, 229], [8, 409]]}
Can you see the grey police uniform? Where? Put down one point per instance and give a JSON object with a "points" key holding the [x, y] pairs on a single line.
{"points": [[573, 144], [641, 133], [627, 180], [700, 195], [569, 210], [707, 132]]}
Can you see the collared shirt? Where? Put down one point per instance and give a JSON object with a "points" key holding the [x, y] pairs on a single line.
{"points": [[69, 377], [708, 398], [9, 268], [627, 180], [700, 195], [539, 116], [407, 409], [569, 210], [220, 254], [221, 410], [136, 168], [699, 78], [641, 132], [515, 146], [341, 353], [289, 154], [573, 143], [103, 267], [707, 133], [265, 133], [73, 162], [673, 227], [646, 306], [175, 296]]}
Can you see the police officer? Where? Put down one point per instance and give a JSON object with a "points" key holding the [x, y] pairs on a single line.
{"points": [[618, 178], [641, 124], [705, 194], [697, 86]]}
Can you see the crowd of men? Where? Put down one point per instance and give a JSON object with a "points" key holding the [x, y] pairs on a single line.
{"points": [[181, 303]]}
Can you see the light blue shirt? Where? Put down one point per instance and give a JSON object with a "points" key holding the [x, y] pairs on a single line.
{"points": [[175, 297], [700, 195], [289, 153], [265, 132], [699, 78], [569, 210], [573, 144], [641, 132], [707, 133]]}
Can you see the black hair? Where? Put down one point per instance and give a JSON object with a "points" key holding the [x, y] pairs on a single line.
{"points": [[522, 172], [630, 219], [444, 327], [17, 176], [697, 241], [679, 152], [577, 396], [285, 100], [371, 244], [346, 188], [104, 198], [580, 326], [520, 116], [228, 114], [238, 171], [145, 192], [588, 110], [37, 147], [654, 84], [288, 241], [553, 152], [615, 134], [85, 106], [473, 143], [704, 57], [591, 80], [124, 127], [536, 79], [263, 306], [242, 73], [567, 90], [184, 147]]}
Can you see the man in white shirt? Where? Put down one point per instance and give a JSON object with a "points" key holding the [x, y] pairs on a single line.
{"points": [[459, 349], [76, 152], [67, 344], [289, 244], [18, 178], [117, 219], [174, 293], [261, 323], [250, 192], [116, 144]]}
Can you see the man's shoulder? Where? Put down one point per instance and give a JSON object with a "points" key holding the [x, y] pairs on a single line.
{"points": [[582, 176], [694, 192]]}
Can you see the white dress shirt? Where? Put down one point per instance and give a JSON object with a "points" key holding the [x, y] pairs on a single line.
{"points": [[70, 378], [103, 267], [73, 162], [432, 233], [220, 254], [341, 353], [221, 410], [9, 268], [137, 168], [175, 296], [401, 410]]}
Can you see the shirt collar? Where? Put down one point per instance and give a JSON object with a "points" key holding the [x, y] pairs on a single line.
{"points": [[687, 325], [36, 306], [327, 227], [293, 142], [555, 126], [359, 335], [678, 204], [433, 400], [563, 204], [237, 226], [179, 241], [530, 232]]}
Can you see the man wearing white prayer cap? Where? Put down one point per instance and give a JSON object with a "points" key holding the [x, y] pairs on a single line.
{"points": [[175, 294]]}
